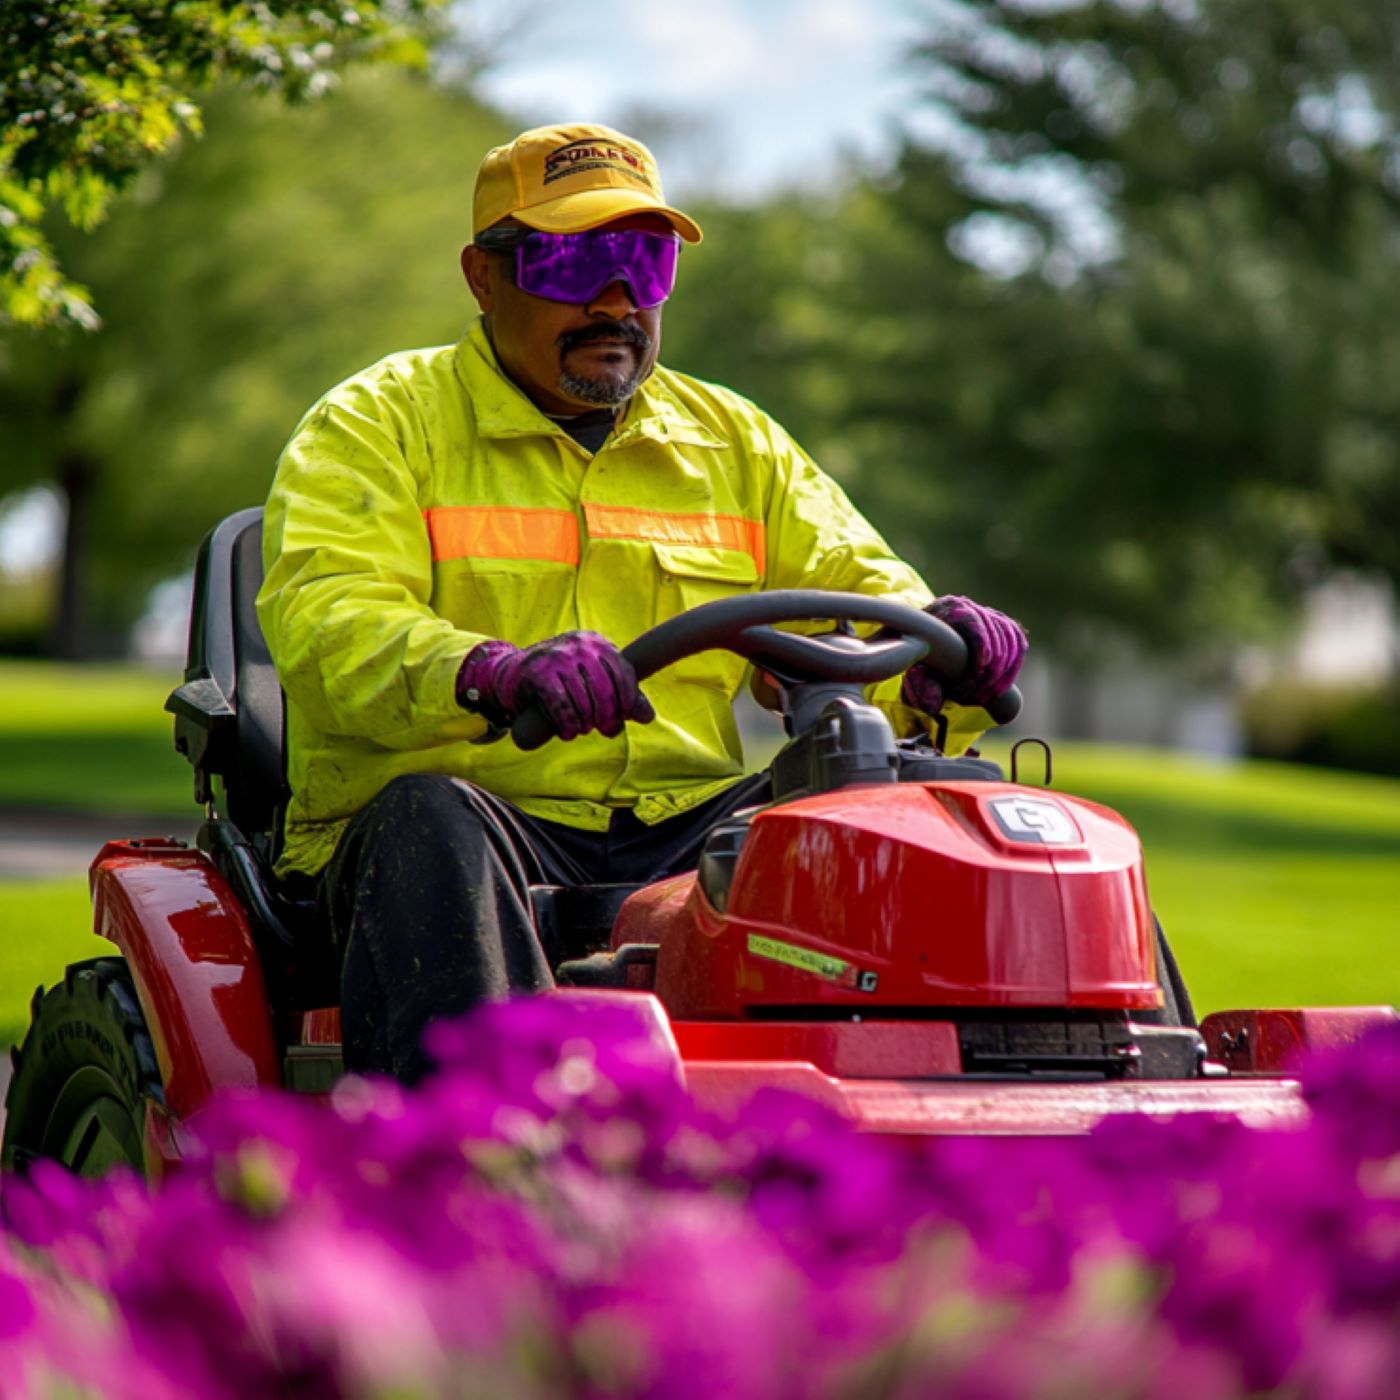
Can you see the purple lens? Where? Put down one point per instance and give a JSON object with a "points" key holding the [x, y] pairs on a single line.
{"points": [[575, 267]]}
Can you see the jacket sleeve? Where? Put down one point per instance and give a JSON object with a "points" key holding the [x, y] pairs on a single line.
{"points": [[345, 601], [818, 539]]}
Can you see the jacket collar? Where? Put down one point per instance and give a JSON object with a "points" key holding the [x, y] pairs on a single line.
{"points": [[503, 410]]}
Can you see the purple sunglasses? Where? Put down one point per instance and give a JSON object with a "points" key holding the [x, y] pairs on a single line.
{"points": [[575, 267]]}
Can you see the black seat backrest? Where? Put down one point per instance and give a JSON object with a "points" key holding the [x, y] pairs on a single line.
{"points": [[230, 724], [229, 713]]}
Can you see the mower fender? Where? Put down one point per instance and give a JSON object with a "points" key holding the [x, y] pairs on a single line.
{"points": [[197, 973], [652, 1021]]}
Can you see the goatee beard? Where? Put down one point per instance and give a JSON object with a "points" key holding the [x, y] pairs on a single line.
{"points": [[603, 390], [606, 393]]}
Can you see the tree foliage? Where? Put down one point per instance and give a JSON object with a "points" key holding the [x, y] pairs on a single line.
{"points": [[1110, 348], [1119, 334], [92, 90], [241, 279]]}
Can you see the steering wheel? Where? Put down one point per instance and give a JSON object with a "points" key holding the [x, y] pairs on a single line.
{"points": [[744, 625]]}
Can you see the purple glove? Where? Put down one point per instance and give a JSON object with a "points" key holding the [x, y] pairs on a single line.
{"points": [[580, 679], [996, 646]]}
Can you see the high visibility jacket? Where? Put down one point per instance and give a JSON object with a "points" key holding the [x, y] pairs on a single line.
{"points": [[426, 505]]}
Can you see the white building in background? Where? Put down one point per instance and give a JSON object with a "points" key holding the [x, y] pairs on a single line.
{"points": [[1350, 635], [158, 639], [1151, 704]]}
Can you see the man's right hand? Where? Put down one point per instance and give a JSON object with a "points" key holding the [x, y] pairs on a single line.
{"points": [[580, 680]]}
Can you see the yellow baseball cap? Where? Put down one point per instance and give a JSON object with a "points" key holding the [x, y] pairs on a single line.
{"points": [[564, 179]]}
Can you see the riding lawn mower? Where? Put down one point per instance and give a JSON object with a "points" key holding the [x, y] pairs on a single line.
{"points": [[905, 936]]}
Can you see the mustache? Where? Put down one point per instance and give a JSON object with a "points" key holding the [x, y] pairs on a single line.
{"points": [[628, 331]]}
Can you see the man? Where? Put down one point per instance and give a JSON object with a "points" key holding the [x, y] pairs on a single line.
{"points": [[456, 534]]}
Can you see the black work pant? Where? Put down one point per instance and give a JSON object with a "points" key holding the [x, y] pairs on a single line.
{"points": [[427, 898]]}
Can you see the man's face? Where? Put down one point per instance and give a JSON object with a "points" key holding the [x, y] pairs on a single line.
{"points": [[567, 358]]}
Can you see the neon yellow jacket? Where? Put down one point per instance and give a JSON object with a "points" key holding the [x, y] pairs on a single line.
{"points": [[426, 504]]}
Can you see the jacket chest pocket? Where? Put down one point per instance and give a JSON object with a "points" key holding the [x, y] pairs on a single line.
{"points": [[519, 600], [695, 574], [691, 575]]}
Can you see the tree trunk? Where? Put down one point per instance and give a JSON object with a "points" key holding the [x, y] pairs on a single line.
{"points": [[69, 638]]}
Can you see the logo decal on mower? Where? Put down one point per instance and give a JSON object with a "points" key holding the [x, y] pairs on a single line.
{"points": [[1036, 821], [818, 964]]}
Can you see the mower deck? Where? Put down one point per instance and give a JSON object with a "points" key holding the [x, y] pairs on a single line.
{"points": [[1022, 1108]]}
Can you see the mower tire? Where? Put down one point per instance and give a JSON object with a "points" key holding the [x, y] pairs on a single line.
{"points": [[1176, 1000], [83, 1076]]}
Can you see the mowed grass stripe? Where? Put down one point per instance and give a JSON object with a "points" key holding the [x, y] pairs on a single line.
{"points": [[89, 738], [1280, 795], [42, 697], [44, 926]]}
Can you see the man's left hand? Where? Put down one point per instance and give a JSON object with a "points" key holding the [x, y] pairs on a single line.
{"points": [[996, 647]]}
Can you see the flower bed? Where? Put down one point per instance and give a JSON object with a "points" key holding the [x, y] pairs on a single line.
{"points": [[551, 1215]]}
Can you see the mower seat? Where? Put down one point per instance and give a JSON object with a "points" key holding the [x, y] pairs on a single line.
{"points": [[230, 724], [229, 713]]}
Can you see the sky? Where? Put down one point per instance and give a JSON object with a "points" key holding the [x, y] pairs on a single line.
{"points": [[776, 90]]}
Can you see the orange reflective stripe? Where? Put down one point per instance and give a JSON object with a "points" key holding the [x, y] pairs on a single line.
{"points": [[503, 532], [667, 527]]}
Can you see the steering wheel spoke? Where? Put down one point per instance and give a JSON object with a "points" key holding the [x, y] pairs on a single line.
{"points": [[836, 656]]}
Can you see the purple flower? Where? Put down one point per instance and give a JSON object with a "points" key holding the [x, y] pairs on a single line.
{"points": [[698, 1300], [549, 1214], [1355, 1093]]}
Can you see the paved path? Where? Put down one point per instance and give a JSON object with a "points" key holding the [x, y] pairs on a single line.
{"points": [[50, 845]]}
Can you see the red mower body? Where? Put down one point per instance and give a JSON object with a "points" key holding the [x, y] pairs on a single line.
{"points": [[187, 942], [838, 958], [197, 973], [916, 895], [901, 935]]}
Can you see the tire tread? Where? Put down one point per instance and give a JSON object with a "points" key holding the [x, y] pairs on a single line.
{"points": [[106, 986]]}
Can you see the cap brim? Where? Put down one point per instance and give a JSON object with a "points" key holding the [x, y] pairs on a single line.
{"points": [[572, 213]]}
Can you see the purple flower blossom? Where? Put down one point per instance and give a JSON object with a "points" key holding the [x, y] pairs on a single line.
{"points": [[550, 1214]]}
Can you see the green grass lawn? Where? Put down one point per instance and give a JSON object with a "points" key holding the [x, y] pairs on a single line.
{"points": [[44, 925], [1277, 885], [89, 737]]}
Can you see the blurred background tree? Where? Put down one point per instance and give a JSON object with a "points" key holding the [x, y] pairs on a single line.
{"points": [[92, 90], [243, 278], [1114, 345]]}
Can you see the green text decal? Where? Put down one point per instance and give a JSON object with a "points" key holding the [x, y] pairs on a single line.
{"points": [[819, 964]]}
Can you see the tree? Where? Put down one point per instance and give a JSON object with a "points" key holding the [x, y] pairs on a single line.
{"points": [[240, 279], [1127, 315], [92, 90]]}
